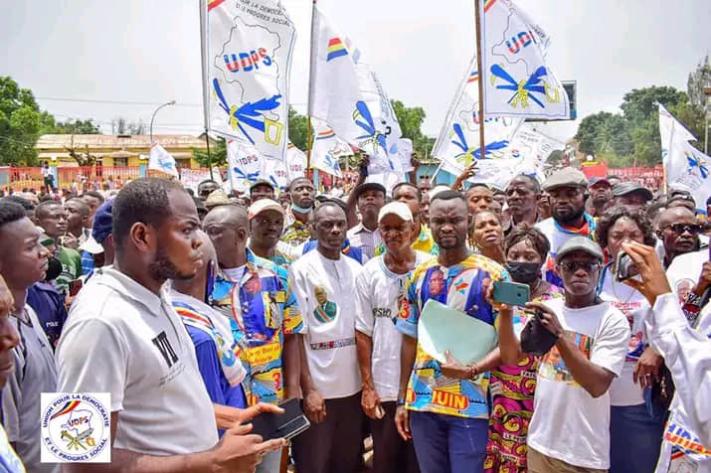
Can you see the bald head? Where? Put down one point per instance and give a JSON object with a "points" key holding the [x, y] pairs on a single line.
{"points": [[228, 229], [674, 215]]}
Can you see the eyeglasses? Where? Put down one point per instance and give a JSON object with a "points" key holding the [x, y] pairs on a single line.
{"points": [[573, 266], [680, 228]]}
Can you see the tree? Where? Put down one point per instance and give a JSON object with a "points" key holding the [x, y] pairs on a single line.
{"points": [[410, 120], [21, 123], [121, 126], [77, 127], [217, 157], [298, 129], [698, 80], [632, 137]]}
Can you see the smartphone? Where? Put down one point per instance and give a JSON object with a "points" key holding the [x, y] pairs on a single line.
{"points": [[511, 293], [75, 286], [287, 425], [624, 267]]}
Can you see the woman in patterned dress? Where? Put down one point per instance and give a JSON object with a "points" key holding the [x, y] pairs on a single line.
{"points": [[512, 386]]}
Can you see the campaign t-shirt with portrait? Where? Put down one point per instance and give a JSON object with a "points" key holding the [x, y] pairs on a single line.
{"points": [[623, 390], [569, 424], [325, 290], [378, 295], [261, 310], [460, 287]]}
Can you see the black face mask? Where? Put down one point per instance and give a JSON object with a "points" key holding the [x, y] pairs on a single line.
{"points": [[54, 269], [522, 272]]}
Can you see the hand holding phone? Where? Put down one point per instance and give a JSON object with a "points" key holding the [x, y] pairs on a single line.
{"points": [[624, 267], [511, 293], [287, 425]]}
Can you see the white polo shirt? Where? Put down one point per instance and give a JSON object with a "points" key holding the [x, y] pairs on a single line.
{"points": [[378, 293], [123, 339], [325, 290]]}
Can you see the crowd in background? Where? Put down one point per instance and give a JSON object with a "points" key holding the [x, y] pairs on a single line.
{"points": [[198, 311]]}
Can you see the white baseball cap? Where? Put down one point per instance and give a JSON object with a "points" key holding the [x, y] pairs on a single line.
{"points": [[396, 208], [263, 205]]}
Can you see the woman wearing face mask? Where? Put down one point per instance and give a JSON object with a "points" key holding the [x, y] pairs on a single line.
{"points": [[513, 386], [635, 435], [487, 235]]}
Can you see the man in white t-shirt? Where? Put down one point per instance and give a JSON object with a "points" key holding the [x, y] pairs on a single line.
{"points": [[124, 338], [23, 262], [324, 284], [570, 428], [379, 288], [568, 190]]}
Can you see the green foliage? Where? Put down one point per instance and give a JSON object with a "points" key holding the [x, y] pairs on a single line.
{"points": [[410, 120], [21, 123], [76, 127], [698, 80], [298, 129], [218, 154], [632, 137]]}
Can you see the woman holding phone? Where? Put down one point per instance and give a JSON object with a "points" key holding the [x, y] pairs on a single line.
{"points": [[635, 434], [513, 386]]}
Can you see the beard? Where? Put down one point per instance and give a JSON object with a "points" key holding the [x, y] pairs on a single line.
{"points": [[572, 217], [162, 268]]}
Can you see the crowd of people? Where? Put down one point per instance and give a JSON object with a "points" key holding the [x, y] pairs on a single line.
{"points": [[198, 313]]}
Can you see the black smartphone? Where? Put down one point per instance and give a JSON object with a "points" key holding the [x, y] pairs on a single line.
{"points": [[75, 286], [624, 267], [287, 425]]}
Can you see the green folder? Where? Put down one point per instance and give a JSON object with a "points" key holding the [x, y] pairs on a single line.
{"points": [[442, 329]]}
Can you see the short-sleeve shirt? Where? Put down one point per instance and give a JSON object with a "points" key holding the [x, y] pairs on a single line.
{"points": [[568, 424], [262, 309], [378, 295], [557, 235], [71, 268], [125, 340], [460, 287], [35, 372], [325, 289]]}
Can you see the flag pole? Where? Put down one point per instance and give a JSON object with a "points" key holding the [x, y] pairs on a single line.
{"points": [[205, 91], [309, 129], [480, 82]]}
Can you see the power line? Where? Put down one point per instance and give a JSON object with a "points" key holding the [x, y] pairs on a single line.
{"points": [[115, 102]]}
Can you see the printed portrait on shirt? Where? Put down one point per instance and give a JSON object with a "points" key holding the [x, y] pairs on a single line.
{"points": [[326, 310], [552, 364], [683, 288]]}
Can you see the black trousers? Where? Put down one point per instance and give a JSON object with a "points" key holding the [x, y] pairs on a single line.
{"points": [[334, 445], [391, 454]]}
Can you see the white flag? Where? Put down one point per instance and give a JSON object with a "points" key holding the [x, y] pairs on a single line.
{"points": [[669, 129], [328, 149], [346, 94], [458, 143], [274, 170], [517, 80], [685, 167], [249, 48], [404, 149], [244, 166], [295, 162], [161, 160]]}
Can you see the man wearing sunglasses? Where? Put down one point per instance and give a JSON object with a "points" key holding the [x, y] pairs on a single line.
{"points": [[679, 233], [570, 428]]}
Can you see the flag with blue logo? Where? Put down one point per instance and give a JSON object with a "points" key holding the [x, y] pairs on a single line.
{"points": [[244, 166], [347, 95], [458, 144], [518, 80], [295, 162], [247, 53], [328, 149], [685, 167], [161, 160]]}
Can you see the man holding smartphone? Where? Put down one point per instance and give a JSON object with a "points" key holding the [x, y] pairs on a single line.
{"points": [[570, 428]]}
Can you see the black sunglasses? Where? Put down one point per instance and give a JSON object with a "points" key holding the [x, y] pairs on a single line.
{"points": [[680, 228], [573, 266]]}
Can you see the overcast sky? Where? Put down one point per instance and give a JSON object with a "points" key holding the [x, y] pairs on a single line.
{"points": [[148, 52]]}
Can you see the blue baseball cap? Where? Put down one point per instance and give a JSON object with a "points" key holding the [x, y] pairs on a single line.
{"points": [[103, 225]]}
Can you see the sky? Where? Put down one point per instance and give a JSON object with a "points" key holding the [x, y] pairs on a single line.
{"points": [[104, 59]]}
